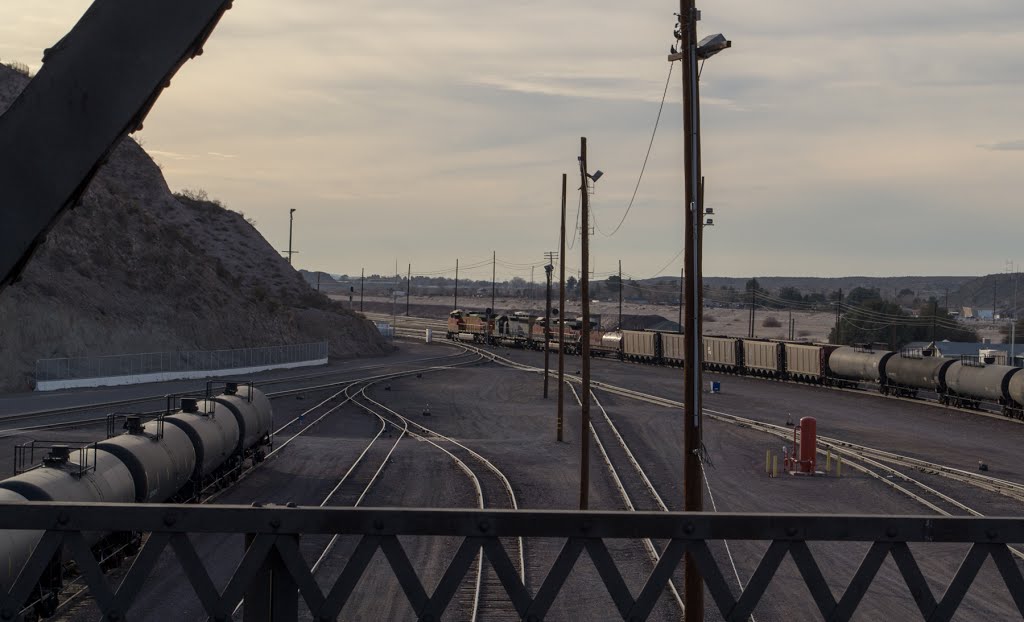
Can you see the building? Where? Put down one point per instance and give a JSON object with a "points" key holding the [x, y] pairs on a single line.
{"points": [[974, 313], [998, 353]]}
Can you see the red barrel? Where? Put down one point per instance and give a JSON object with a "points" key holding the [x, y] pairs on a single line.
{"points": [[808, 444]]}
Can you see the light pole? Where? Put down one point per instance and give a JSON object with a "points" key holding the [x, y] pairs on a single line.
{"points": [[291, 222], [690, 52]]}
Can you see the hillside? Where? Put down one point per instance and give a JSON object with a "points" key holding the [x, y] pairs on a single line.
{"points": [[135, 268]]}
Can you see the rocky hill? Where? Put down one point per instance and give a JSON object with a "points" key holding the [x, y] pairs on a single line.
{"points": [[135, 268]]}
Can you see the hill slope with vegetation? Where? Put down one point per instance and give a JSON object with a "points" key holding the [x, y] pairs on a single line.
{"points": [[135, 268]]}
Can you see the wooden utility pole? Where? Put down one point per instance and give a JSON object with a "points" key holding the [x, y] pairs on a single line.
{"points": [[682, 297], [693, 484], [753, 303], [561, 317], [494, 263], [362, 283], [620, 294], [408, 289], [456, 284], [585, 332], [548, 269], [839, 310]]}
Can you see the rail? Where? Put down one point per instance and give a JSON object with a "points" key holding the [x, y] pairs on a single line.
{"points": [[272, 569]]}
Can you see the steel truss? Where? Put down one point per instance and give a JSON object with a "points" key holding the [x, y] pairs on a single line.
{"points": [[273, 575]]}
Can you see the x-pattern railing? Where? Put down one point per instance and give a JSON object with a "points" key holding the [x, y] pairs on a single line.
{"points": [[273, 573]]}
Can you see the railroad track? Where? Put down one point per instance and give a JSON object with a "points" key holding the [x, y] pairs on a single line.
{"points": [[990, 409], [872, 462], [77, 595], [634, 477]]}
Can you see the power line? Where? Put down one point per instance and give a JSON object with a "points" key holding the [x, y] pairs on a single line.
{"points": [[657, 120]]}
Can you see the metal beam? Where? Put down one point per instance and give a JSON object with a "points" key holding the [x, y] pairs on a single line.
{"points": [[502, 523], [96, 86]]}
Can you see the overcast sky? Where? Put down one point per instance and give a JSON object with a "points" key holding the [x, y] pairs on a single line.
{"points": [[840, 138]]}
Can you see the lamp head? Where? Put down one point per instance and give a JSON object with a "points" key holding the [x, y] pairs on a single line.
{"points": [[597, 175], [711, 45]]}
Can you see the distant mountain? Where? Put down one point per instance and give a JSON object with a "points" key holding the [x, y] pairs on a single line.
{"points": [[889, 286], [982, 292]]}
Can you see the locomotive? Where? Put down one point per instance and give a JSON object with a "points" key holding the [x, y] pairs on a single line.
{"points": [[965, 382], [180, 456]]}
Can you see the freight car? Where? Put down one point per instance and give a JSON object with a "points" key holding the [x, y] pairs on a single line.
{"points": [[764, 358], [970, 381], [641, 346], [808, 362], [850, 366], [175, 457], [903, 374], [913, 371]]}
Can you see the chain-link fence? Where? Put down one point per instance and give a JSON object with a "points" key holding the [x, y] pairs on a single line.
{"points": [[85, 367]]}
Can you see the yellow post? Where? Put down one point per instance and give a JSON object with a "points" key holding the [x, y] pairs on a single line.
{"points": [[775, 466], [767, 460], [839, 466], [828, 461]]}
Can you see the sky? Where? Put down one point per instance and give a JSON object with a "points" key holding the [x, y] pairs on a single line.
{"points": [[839, 138]]}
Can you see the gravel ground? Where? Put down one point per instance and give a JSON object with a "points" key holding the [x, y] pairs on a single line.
{"points": [[501, 414]]}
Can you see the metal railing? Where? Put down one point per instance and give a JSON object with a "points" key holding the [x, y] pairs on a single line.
{"points": [[80, 368], [273, 573]]}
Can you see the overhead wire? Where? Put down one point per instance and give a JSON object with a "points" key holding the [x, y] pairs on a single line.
{"points": [[643, 168]]}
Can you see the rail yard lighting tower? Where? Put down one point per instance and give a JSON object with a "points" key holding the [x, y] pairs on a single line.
{"points": [[689, 53]]}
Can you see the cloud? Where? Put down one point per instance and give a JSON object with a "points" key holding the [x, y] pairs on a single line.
{"points": [[1010, 145], [442, 127]]}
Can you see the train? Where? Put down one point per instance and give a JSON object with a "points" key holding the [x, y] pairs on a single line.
{"points": [[965, 382], [196, 447]]}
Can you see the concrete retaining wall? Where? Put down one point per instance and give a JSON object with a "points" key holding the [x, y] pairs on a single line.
{"points": [[53, 385]]}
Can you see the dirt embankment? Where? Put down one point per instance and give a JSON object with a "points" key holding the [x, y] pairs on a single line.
{"points": [[135, 268]]}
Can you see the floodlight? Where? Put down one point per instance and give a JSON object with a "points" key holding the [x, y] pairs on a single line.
{"points": [[711, 45], [597, 175]]}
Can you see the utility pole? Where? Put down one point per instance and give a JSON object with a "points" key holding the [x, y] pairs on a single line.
{"points": [[1013, 322], [318, 273], [791, 325], [408, 289], [548, 269], [362, 282], [456, 284], [620, 294], [585, 332], [291, 222], [935, 313], [531, 286], [693, 485], [995, 286], [561, 316], [682, 297], [494, 262], [839, 310], [753, 301]]}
